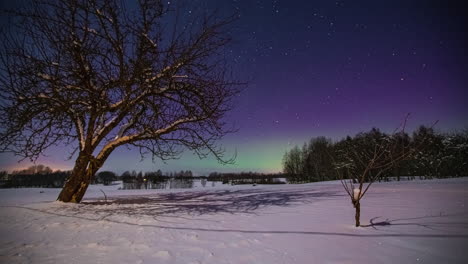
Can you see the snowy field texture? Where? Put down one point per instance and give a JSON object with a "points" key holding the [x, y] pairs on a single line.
{"points": [[414, 222]]}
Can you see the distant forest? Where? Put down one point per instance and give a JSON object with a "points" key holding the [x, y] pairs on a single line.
{"points": [[441, 155], [438, 155], [42, 176], [34, 176]]}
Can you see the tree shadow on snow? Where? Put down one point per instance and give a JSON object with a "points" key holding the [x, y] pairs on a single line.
{"points": [[245, 201], [207, 202], [279, 232], [433, 222]]}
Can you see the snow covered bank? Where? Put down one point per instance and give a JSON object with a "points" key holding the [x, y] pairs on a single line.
{"points": [[413, 222]]}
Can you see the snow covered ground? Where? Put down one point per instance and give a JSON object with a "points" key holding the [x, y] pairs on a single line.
{"points": [[414, 222]]}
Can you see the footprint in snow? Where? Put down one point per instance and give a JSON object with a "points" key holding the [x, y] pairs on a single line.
{"points": [[202, 251], [140, 247], [164, 254], [192, 236]]}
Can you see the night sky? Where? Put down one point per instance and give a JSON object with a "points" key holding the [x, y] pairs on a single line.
{"points": [[326, 68]]}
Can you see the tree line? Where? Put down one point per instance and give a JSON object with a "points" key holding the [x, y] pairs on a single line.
{"points": [[34, 176], [43, 176], [157, 179], [248, 178], [439, 155]]}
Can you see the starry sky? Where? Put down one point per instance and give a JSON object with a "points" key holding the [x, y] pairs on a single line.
{"points": [[325, 68]]}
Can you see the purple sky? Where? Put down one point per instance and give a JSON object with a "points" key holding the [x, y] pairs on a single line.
{"points": [[328, 68]]}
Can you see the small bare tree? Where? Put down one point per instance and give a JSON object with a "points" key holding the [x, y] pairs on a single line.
{"points": [[367, 157], [100, 75]]}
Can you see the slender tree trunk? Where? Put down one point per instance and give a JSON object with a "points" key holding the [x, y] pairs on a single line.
{"points": [[357, 217], [76, 186]]}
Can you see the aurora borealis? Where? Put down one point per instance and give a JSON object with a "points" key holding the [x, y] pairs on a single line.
{"points": [[325, 68]]}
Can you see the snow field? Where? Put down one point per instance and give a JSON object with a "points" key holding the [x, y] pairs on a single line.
{"points": [[414, 222]]}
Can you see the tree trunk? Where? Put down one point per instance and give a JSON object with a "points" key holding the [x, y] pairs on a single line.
{"points": [[357, 217], [76, 186]]}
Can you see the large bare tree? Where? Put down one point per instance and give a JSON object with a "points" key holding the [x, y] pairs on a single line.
{"points": [[99, 74]]}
